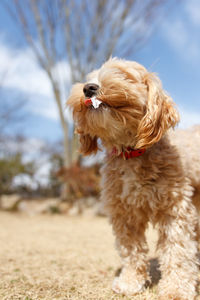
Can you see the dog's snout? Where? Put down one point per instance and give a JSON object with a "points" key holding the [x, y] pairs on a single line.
{"points": [[90, 89]]}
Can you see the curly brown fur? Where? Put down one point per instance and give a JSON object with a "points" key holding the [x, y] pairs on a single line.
{"points": [[162, 186]]}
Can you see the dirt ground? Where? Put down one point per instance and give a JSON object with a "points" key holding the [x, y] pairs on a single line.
{"points": [[60, 257]]}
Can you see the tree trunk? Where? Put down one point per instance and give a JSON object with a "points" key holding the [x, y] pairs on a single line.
{"points": [[67, 155]]}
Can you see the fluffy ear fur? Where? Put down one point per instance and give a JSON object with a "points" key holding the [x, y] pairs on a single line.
{"points": [[160, 114], [88, 144]]}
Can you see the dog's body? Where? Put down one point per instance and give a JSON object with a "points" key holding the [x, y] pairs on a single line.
{"points": [[162, 185]]}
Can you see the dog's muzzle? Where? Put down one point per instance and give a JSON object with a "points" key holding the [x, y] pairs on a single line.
{"points": [[90, 89], [92, 102]]}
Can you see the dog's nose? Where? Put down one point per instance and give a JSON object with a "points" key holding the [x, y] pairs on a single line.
{"points": [[90, 89]]}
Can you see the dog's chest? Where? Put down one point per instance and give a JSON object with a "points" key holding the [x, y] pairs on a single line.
{"points": [[137, 185], [140, 186]]}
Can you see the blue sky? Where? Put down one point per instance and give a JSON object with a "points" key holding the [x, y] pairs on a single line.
{"points": [[173, 52]]}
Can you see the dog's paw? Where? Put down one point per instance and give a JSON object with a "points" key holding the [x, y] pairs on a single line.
{"points": [[121, 286]]}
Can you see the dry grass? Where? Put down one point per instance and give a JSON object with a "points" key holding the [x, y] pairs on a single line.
{"points": [[58, 257]]}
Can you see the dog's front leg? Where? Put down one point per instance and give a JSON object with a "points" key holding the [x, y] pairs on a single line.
{"points": [[178, 253], [131, 243]]}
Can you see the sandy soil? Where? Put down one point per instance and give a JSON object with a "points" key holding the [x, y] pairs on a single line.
{"points": [[59, 257]]}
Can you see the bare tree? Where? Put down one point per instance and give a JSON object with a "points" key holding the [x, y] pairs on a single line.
{"points": [[12, 111], [84, 34]]}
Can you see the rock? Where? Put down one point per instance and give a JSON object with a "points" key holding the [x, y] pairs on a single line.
{"points": [[99, 210], [34, 207], [10, 202]]}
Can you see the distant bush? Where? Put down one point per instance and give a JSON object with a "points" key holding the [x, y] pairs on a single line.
{"points": [[82, 181], [10, 167]]}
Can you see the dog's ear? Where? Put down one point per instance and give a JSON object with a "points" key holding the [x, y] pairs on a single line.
{"points": [[88, 145], [160, 114]]}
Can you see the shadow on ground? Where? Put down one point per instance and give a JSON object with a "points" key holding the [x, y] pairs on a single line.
{"points": [[154, 272]]}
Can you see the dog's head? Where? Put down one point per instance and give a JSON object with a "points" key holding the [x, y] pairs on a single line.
{"points": [[122, 104]]}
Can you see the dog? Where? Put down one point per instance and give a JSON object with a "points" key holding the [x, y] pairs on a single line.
{"points": [[151, 173]]}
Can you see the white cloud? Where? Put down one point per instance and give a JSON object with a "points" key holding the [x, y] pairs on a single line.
{"points": [[31, 151], [175, 33], [192, 8], [23, 73], [41, 176], [20, 71], [182, 31], [188, 118], [25, 180]]}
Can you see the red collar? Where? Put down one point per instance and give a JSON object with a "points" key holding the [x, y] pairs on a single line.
{"points": [[129, 153]]}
